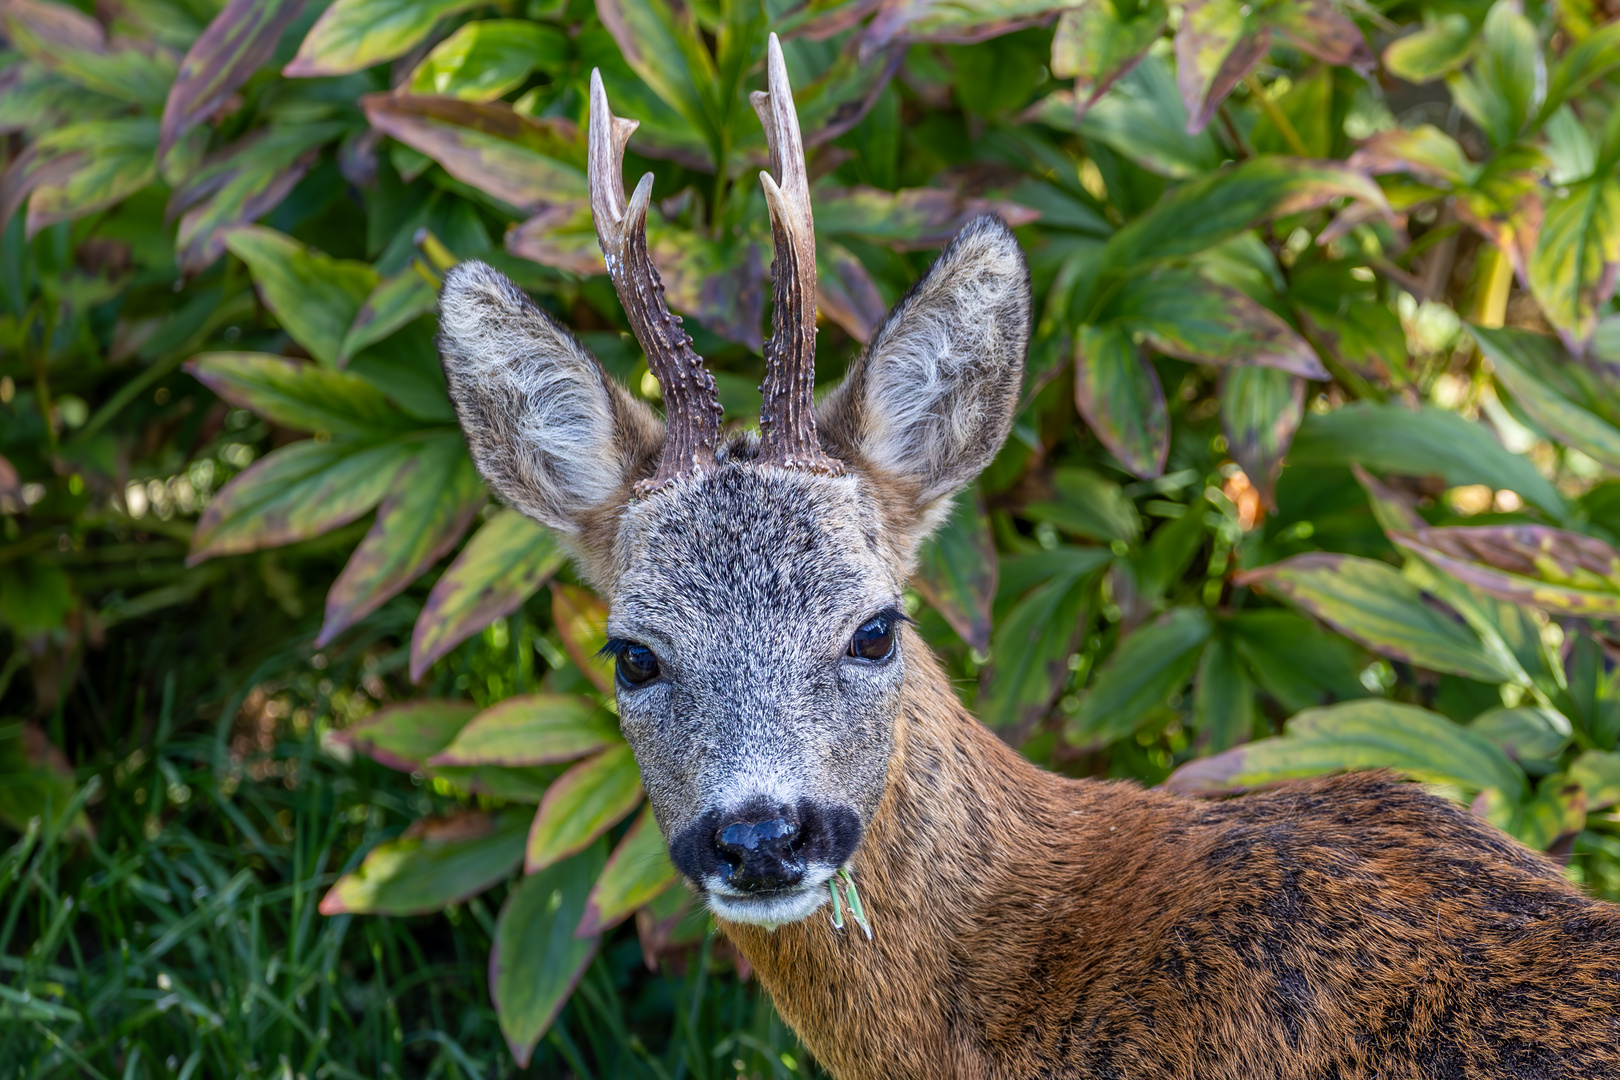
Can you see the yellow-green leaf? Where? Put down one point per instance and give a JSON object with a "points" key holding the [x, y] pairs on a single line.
{"points": [[505, 562], [636, 873], [488, 57], [582, 804], [534, 729], [355, 34]]}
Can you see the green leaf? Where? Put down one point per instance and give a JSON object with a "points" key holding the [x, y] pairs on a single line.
{"points": [[581, 621], [36, 597], [432, 502], [1118, 392], [1419, 442], [1423, 151], [297, 492], [305, 397], [405, 735], [1185, 315], [237, 43], [1295, 661], [395, 302], [1370, 734], [1557, 812], [1515, 355], [1142, 118], [1096, 43], [1503, 88], [1030, 650], [1535, 565], [1598, 773], [239, 184], [36, 780], [662, 44], [35, 100], [530, 164], [436, 863], [1443, 45], [1371, 603], [1223, 697], [355, 34], [1154, 662], [1203, 212], [1583, 63], [957, 571], [488, 57], [1572, 271], [504, 564], [1090, 506], [582, 804], [314, 296], [951, 20], [80, 169], [536, 959], [75, 46], [1525, 734], [911, 219], [1261, 408], [636, 873], [534, 729]]}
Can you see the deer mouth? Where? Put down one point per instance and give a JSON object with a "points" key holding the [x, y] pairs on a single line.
{"points": [[769, 907]]}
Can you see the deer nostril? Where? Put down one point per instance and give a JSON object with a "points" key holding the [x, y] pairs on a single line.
{"points": [[737, 841]]}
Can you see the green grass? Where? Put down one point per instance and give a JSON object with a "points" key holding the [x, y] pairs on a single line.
{"points": [[182, 939]]}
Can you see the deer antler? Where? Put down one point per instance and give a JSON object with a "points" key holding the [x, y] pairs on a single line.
{"points": [[691, 405], [787, 418]]}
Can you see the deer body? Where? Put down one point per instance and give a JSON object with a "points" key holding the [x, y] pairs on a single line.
{"points": [[1033, 926], [788, 727]]}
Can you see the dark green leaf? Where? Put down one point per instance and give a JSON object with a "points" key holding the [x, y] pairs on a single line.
{"points": [[1526, 734], [1371, 603], [1261, 408], [302, 396], [1118, 392], [1419, 442], [537, 960], [1090, 506], [237, 43], [396, 301], [1143, 672], [432, 502], [1223, 697], [1030, 650], [956, 571], [314, 296]]}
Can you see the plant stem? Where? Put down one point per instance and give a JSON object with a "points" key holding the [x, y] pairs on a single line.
{"points": [[1284, 127]]}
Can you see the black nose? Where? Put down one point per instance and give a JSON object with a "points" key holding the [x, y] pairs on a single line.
{"points": [[761, 855]]}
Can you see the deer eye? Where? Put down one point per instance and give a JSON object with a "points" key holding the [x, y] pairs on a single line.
{"points": [[874, 640], [637, 665]]}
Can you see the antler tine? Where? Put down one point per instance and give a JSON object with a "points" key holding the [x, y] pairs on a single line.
{"points": [[787, 418], [691, 405]]}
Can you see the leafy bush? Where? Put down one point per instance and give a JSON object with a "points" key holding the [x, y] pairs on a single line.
{"points": [[1313, 471]]}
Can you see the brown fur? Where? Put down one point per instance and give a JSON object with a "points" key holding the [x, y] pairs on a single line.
{"points": [[1030, 925]]}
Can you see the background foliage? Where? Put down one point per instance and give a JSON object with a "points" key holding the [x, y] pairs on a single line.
{"points": [[307, 766]]}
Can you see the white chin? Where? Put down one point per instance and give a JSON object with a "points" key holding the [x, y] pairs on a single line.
{"points": [[769, 911]]}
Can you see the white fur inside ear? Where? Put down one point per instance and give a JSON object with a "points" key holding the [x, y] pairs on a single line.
{"points": [[534, 404], [943, 374]]}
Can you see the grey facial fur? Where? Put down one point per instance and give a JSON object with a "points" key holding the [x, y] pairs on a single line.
{"points": [[747, 579]]}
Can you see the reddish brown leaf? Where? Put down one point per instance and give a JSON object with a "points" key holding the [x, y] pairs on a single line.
{"points": [[581, 621], [1536, 565]]}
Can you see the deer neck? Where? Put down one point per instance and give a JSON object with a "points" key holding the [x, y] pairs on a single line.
{"points": [[965, 824]]}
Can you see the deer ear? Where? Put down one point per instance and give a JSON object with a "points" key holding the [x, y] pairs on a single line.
{"points": [[549, 430], [932, 400]]}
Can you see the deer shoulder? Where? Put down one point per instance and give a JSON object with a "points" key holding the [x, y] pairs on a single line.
{"points": [[793, 734]]}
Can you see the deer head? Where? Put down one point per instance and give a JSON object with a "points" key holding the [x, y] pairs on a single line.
{"points": [[754, 583]]}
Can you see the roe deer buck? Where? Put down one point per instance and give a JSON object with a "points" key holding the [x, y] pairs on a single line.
{"points": [[788, 724]]}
